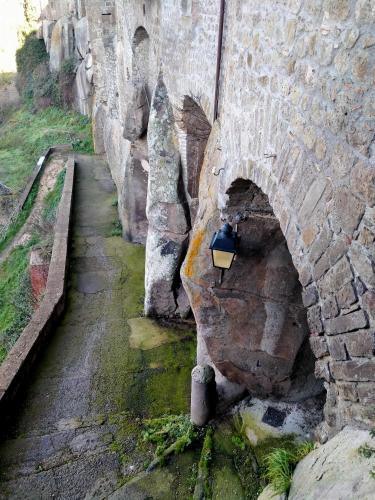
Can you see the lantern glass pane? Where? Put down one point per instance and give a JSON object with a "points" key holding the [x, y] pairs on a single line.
{"points": [[222, 259]]}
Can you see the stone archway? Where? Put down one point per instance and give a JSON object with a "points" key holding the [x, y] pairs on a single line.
{"points": [[254, 323]]}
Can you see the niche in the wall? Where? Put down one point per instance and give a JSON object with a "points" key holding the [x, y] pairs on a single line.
{"points": [[141, 51], [194, 132], [262, 315]]}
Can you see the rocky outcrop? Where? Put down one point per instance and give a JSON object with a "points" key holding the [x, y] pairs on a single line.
{"points": [[61, 43], [337, 470], [168, 224]]}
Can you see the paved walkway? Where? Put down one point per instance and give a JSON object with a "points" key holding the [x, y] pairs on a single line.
{"points": [[75, 434]]}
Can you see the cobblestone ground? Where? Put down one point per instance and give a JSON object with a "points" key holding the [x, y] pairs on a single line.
{"points": [[76, 433]]}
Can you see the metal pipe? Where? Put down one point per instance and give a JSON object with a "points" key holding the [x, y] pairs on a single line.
{"points": [[218, 58]]}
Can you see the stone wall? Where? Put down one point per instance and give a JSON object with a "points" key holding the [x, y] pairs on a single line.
{"points": [[297, 120]]}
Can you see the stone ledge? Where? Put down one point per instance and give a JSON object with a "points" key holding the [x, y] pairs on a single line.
{"points": [[20, 360]]}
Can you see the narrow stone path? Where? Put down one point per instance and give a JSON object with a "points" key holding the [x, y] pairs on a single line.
{"points": [[77, 430]]}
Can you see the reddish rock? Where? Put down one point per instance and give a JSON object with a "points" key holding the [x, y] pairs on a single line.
{"points": [[38, 270]]}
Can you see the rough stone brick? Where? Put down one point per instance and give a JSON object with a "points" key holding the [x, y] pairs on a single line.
{"points": [[362, 181], [312, 197], [348, 391], [366, 237], [366, 393], [359, 370], [329, 308], [360, 286], [348, 210], [322, 369], [346, 296], [321, 244], [336, 348], [318, 346], [336, 277], [359, 344], [363, 265], [368, 301], [314, 320], [310, 296], [347, 323]]}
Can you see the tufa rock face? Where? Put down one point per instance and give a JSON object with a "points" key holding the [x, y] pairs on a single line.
{"points": [[254, 323], [168, 225], [336, 469]]}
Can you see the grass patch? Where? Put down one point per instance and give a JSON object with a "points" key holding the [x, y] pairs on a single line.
{"points": [[281, 462], [16, 307], [25, 136], [116, 228], [21, 218]]}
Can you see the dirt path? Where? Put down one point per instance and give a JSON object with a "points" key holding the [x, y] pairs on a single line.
{"points": [[77, 429], [47, 183]]}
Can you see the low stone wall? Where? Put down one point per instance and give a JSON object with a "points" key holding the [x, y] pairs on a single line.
{"points": [[20, 360], [41, 163]]}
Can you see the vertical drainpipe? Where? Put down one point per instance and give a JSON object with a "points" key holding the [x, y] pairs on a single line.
{"points": [[218, 58]]}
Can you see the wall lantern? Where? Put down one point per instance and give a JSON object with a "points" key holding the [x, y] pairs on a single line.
{"points": [[224, 246]]}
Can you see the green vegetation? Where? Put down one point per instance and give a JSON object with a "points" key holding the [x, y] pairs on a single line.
{"points": [[16, 305], [20, 219], [6, 78], [116, 228], [25, 136], [280, 464], [203, 485], [52, 199], [366, 451]]}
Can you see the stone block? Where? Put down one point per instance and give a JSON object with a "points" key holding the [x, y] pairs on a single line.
{"points": [[347, 323], [310, 296], [322, 369], [314, 320], [359, 344], [359, 370], [312, 198], [347, 209], [362, 181], [347, 391], [321, 244], [346, 296], [368, 301], [329, 307], [362, 264], [336, 348], [318, 346], [366, 393], [340, 274]]}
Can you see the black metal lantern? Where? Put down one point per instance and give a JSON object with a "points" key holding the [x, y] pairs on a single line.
{"points": [[224, 246]]}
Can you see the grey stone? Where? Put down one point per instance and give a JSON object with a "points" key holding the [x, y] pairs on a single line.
{"points": [[322, 369], [310, 296], [348, 210], [361, 343], [336, 348], [335, 470], [359, 370], [136, 119], [319, 346], [347, 323], [314, 320], [348, 391], [362, 264], [346, 296], [329, 307]]}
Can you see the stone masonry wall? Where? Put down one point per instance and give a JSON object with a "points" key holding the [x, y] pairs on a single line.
{"points": [[297, 119]]}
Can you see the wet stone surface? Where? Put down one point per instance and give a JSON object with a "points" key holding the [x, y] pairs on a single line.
{"points": [[77, 430]]}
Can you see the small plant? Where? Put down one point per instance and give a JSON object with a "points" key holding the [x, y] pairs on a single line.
{"points": [[171, 434], [280, 464], [238, 442], [372, 433], [366, 451], [116, 228], [203, 486]]}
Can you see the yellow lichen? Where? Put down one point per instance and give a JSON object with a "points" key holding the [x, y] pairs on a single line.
{"points": [[192, 253]]}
